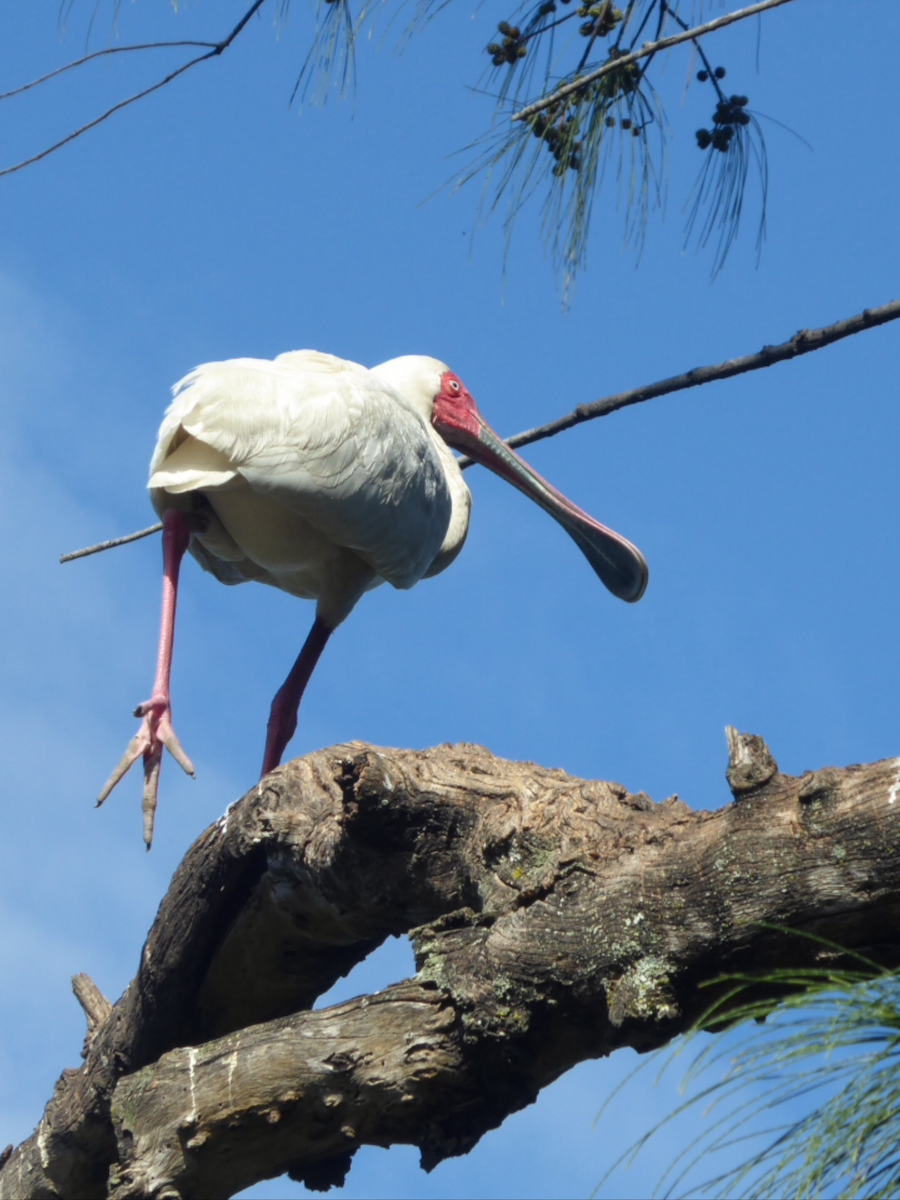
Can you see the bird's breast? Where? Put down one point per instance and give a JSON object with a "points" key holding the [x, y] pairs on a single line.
{"points": [[293, 553]]}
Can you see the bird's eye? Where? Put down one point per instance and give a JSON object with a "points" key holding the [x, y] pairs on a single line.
{"points": [[454, 386]]}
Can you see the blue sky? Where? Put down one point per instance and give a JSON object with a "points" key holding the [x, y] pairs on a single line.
{"points": [[213, 221]]}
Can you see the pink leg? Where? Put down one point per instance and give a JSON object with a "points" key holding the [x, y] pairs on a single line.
{"points": [[283, 715], [156, 727]]}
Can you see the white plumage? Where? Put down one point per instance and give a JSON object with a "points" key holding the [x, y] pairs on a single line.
{"points": [[316, 475], [324, 479]]}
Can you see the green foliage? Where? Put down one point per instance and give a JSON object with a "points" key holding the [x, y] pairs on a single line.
{"points": [[574, 104], [824, 1042], [564, 152], [716, 204], [567, 151]]}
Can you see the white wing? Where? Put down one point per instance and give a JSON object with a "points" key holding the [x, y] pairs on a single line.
{"points": [[323, 438]]}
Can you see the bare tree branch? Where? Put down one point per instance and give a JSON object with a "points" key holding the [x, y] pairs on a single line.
{"points": [[554, 919], [217, 48], [111, 544], [110, 50], [646, 51], [803, 342]]}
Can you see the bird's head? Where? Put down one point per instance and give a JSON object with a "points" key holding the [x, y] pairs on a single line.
{"points": [[438, 394], [444, 400], [454, 413]]}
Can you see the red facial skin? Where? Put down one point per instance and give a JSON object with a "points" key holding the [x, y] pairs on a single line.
{"points": [[455, 416]]}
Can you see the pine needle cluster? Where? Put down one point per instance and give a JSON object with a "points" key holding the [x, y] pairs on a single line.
{"points": [[575, 103], [802, 1092], [613, 126]]}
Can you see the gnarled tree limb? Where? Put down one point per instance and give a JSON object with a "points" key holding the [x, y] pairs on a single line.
{"points": [[553, 920]]}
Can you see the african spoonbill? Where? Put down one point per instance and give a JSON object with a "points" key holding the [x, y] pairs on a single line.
{"points": [[325, 479]]}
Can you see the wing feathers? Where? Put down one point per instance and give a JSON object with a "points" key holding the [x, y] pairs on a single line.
{"points": [[326, 439], [193, 465]]}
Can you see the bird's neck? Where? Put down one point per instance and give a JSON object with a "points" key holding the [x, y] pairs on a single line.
{"points": [[461, 500]]}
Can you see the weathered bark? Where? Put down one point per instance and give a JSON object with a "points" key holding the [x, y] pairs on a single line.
{"points": [[553, 920]]}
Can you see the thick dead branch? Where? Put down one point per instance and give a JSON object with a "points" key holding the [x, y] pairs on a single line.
{"points": [[553, 920]]}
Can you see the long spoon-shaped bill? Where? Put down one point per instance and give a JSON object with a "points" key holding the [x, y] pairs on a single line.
{"points": [[620, 566]]}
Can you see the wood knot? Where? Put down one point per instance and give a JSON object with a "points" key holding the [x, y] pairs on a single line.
{"points": [[820, 785], [750, 763], [642, 993], [348, 776], [459, 918], [639, 801]]}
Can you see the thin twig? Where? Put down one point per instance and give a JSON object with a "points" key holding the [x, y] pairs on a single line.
{"points": [[803, 342], [120, 541], [647, 49], [80, 62], [217, 49]]}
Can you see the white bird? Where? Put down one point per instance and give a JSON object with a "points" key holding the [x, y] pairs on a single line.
{"points": [[325, 479]]}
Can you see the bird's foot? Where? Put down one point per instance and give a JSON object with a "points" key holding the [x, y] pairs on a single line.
{"points": [[155, 732]]}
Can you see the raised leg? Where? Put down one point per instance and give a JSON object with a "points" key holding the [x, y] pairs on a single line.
{"points": [[156, 726], [283, 714]]}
